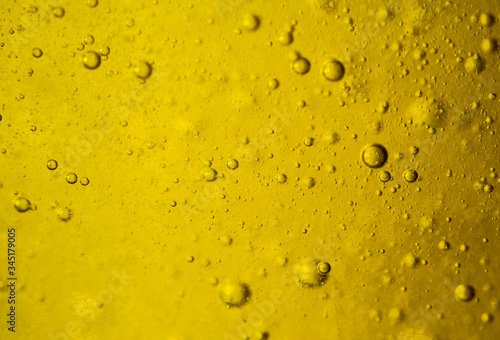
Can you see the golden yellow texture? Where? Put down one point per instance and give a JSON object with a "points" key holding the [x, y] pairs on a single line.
{"points": [[249, 169]]}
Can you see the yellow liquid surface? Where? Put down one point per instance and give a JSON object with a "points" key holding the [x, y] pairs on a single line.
{"points": [[236, 169]]}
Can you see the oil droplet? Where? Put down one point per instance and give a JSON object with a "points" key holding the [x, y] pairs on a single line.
{"points": [[384, 176], [301, 66], [250, 22], [323, 268], [64, 214], [71, 178], [36, 52], [52, 164], [234, 294], [374, 156], [22, 204], [84, 181], [91, 60], [232, 164], [410, 175], [333, 70], [281, 178], [464, 293], [210, 174], [143, 70]]}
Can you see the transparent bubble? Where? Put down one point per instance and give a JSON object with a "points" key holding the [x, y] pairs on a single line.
{"points": [[22, 204], [323, 268], [234, 294], [281, 178], [91, 60], [84, 181], [232, 164], [71, 178], [384, 176], [464, 293], [301, 66], [36, 52], [333, 70], [410, 175], [64, 214], [210, 174], [52, 164], [374, 156], [143, 70]]}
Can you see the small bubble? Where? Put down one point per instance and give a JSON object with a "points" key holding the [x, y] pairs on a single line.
{"points": [[488, 188], [143, 70], [22, 204], [58, 12], [308, 141], [250, 22], [104, 50], [374, 156], [333, 70], [443, 245], [88, 40], [273, 84], [414, 150], [129, 22], [309, 182], [52, 164], [71, 178], [464, 293], [36, 52], [92, 3], [489, 45], [474, 64], [486, 317], [84, 181], [323, 268], [281, 178], [210, 174], [285, 38], [232, 164], [64, 214], [410, 175], [234, 294], [190, 259], [486, 19], [384, 176], [91, 60], [301, 66]]}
